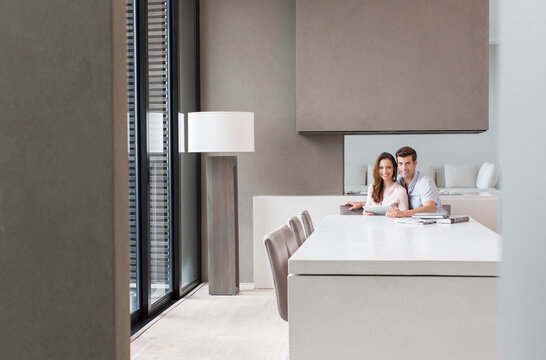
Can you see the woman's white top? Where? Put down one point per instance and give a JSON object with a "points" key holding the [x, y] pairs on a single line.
{"points": [[395, 194]]}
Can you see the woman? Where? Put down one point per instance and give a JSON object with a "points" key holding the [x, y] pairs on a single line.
{"points": [[384, 190]]}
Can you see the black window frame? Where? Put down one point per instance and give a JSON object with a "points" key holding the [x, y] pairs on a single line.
{"points": [[146, 310]]}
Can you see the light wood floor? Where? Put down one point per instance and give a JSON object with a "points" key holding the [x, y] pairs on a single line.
{"points": [[246, 326]]}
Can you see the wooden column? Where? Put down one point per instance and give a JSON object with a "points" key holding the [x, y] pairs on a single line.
{"points": [[222, 225]]}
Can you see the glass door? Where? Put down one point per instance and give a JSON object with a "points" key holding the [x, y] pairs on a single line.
{"points": [[134, 290], [158, 139], [164, 188]]}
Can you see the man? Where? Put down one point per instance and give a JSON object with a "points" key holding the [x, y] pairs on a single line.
{"points": [[422, 192]]}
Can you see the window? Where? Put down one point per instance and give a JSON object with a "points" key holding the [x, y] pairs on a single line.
{"points": [[163, 183]]}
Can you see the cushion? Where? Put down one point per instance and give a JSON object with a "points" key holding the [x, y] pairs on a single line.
{"points": [[487, 176], [428, 171], [370, 175], [440, 178], [355, 174], [460, 175]]}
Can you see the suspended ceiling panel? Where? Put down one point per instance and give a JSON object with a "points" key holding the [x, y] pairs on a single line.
{"points": [[392, 66]]}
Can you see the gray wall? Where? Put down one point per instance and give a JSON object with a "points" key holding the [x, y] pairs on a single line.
{"points": [[436, 149], [63, 184], [522, 113], [248, 63]]}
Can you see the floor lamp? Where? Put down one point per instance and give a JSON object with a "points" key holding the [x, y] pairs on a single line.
{"points": [[222, 131]]}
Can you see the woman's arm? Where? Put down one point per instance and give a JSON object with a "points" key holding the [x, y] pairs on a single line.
{"points": [[403, 199]]}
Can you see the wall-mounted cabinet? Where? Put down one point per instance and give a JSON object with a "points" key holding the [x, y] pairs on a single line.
{"points": [[386, 66]]}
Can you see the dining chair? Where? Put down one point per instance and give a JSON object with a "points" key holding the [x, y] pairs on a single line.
{"points": [[291, 243], [307, 223], [297, 228], [277, 251]]}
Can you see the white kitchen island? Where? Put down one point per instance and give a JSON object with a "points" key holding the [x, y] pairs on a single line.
{"points": [[370, 288]]}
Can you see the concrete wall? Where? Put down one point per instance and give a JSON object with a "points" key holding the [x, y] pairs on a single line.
{"points": [[63, 184], [436, 149], [248, 63], [522, 114]]}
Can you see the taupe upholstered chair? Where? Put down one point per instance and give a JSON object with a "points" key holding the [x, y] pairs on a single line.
{"points": [[447, 209], [291, 242], [297, 229], [307, 223], [277, 251]]}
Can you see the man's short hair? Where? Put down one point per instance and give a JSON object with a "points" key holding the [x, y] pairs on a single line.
{"points": [[406, 151]]}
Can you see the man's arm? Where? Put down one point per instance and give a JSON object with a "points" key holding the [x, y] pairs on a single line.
{"points": [[428, 207], [355, 205], [359, 204]]}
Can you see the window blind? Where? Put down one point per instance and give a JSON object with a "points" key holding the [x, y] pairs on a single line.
{"points": [[158, 155]]}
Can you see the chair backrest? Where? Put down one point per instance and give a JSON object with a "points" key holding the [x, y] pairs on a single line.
{"points": [[307, 223], [291, 242], [277, 252], [297, 229]]}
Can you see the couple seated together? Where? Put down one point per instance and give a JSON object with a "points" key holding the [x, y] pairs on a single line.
{"points": [[408, 192]]}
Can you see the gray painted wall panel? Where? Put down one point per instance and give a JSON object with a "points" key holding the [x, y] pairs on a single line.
{"points": [[392, 66], [248, 63], [63, 199]]}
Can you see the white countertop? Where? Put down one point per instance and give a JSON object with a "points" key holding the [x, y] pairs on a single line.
{"points": [[376, 245], [444, 193]]}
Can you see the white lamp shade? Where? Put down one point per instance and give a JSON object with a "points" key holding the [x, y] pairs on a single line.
{"points": [[221, 131]]}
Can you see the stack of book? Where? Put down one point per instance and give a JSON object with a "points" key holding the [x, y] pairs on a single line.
{"points": [[430, 215], [414, 221], [453, 220], [441, 218]]}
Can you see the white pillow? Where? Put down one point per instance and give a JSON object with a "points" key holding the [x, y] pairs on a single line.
{"points": [[370, 175], [355, 174], [440, 178], [428, 171], [460, 175], [487, 176]]}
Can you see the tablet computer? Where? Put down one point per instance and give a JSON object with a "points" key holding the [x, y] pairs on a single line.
{"points": [[377, 209]]}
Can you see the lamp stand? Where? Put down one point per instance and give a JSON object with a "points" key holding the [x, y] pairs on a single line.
{"points": [[222, 225]]}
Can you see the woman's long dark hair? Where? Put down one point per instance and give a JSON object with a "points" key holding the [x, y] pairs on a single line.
{"points": [[378, 183]]}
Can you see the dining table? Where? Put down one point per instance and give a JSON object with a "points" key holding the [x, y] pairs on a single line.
{"points": [[373, 287]]}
